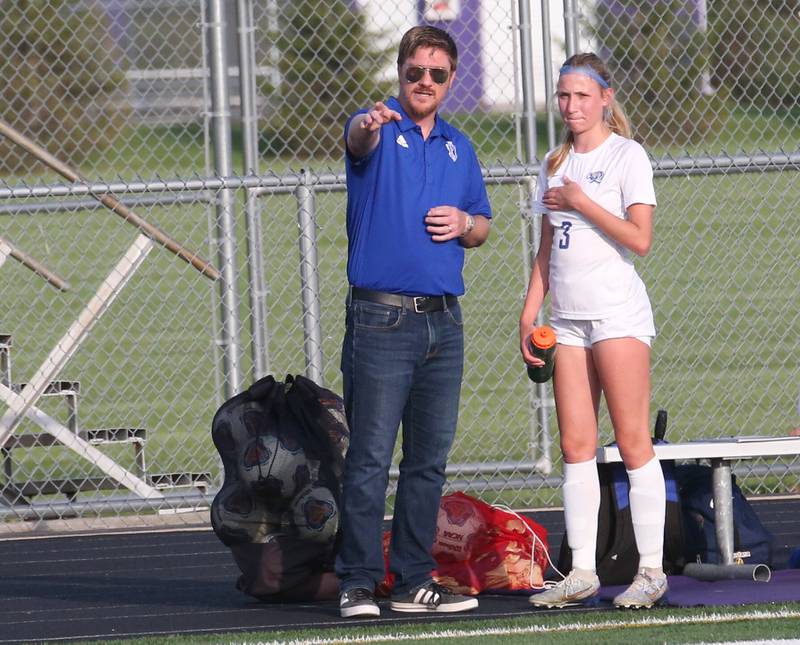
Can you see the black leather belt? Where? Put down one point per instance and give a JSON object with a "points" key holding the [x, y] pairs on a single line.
{"points": [[418, 304]]}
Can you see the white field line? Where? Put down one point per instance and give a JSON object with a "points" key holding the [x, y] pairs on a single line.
{"points": [[545, 629], [782, 641]]}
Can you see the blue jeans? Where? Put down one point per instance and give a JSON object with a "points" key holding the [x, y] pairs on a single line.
{"points": [[397, 365]]}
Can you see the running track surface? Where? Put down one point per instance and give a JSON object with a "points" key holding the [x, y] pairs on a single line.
{"points": [[110, 586]]}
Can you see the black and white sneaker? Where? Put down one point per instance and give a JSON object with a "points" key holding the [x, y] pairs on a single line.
{"points": [[432, 596], [358, 602]]}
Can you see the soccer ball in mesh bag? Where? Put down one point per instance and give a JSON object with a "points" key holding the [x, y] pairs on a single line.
{"points": [[232, 429], [275, 468], [458, 525], [314, 514], [238, 517]]}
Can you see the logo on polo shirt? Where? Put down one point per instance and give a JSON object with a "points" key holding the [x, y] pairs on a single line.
{"points": [[595, 177], [451, 150], [401, 140]]}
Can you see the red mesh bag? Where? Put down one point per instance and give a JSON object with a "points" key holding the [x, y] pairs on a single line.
{"points": [[479, 547]]}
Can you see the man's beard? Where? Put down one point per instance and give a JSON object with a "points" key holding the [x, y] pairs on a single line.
{"points": [[417, 114]]}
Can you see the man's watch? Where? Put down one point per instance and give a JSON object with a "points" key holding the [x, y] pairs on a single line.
{"points": [[470, 225]]}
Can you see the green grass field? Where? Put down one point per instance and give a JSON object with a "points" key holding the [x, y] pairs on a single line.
{"points": [[723, 276]]}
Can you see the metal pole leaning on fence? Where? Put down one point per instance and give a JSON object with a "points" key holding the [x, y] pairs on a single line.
{"points": [[8, 249], [111, 202]]}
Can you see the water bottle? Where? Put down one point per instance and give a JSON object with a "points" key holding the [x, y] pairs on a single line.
{"points": [[542, 344]]}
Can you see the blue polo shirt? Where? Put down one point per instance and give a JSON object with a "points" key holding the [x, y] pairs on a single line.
{"points": [[389, 192]]}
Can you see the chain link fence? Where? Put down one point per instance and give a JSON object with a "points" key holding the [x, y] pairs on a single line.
{"points": [[219, 124]]}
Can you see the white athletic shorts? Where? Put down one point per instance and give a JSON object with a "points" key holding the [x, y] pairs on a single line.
{"points": [[635, 321]]}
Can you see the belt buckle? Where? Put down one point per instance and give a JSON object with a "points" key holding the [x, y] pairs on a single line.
{"points": [[419, 301]]}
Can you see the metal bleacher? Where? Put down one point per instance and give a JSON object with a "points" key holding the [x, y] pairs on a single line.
{"points": [[23, 492]]}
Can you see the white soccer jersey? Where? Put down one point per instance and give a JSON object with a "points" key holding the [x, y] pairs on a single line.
{"points": [[591, 276]]}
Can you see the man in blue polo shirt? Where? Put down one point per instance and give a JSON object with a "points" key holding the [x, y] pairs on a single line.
{"points": [[416, 200]]}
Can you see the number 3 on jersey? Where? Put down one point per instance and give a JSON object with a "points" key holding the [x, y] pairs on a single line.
{"points": [[563, 243]]}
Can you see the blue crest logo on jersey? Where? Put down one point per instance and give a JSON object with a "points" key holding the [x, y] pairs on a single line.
{"points": [[451, 150], [595, 177]]}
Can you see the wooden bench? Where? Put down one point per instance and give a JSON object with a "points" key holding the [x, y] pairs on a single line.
{"points": [[720, 452]]}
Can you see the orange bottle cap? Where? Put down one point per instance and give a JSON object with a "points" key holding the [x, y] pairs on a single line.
{"points": [[543, 337]]}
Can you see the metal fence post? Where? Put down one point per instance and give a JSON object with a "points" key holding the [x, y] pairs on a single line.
{"points": [[255, 253], [309, 278], [570, 27], [526, 64], [225, 202], [530, 228], [547, 60]]}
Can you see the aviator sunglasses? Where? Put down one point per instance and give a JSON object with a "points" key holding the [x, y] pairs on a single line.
{"points": [[416, 72]]}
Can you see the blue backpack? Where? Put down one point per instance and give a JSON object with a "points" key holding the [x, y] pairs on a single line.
{"points": [[697, 499]]}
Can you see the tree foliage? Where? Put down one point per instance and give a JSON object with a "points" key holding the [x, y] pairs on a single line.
{"points": [[329, 67], [659, 59], [58, 79], [756, 45]]}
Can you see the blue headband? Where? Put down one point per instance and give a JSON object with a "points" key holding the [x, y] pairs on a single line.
{"points": [[586, 71]]}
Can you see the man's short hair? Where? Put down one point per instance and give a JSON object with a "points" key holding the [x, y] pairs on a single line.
{"points": [[427, 36]]}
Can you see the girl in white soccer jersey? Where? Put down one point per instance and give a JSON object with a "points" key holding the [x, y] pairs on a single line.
{"points": [[596, 194]]}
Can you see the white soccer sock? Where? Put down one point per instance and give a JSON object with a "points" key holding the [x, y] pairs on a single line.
{"points": [[648, 512], [581, 492]]}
